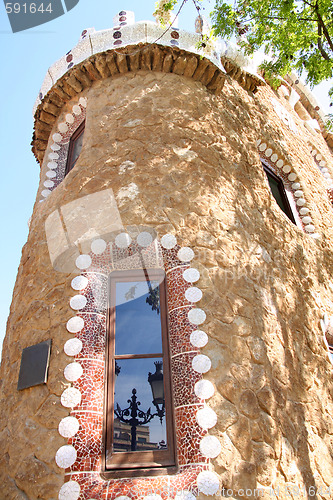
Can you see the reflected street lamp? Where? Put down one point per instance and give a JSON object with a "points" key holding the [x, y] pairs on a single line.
{"points": [[157, 388], [137, 416]]}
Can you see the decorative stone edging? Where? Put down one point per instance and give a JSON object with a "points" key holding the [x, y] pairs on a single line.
{"points": [[209, 446], [115, 62], [282, 169], [322, 165], [248, 81], [58, 157]]}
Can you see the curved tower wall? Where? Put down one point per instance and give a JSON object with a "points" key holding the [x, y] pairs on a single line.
{"points": [[163, 155]]}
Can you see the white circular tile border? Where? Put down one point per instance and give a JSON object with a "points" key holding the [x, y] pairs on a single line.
{"points": [[191, 275], [60, 139], [123, 240], [185, 254], [198, 338], [79, 282], [206, 418], [69, 491], [196, 316], [193, 294], [201, 363], [144, 239], [66, 456], [83, 261], [75, 324], [210, 446], [68, 427], [98, 246], [73, 372], [296, 186], [78, 302], [71, 397], [204, 389], [208, 482], [168, 241], [73, 347]]}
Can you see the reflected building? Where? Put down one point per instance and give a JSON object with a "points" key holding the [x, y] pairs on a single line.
{"points": [[122, 437]]}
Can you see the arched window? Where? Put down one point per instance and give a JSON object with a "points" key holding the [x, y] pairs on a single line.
{"points": [[278, 191], [75, 146], [139, 429]]}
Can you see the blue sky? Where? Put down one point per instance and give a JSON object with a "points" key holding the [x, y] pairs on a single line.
{"points": [[26, 57]]}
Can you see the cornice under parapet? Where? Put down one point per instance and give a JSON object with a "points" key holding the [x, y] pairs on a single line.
{"points": [[111, 64], [248, 81], [311, 106]]}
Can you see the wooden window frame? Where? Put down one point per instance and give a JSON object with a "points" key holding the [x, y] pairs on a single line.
{"points": [[78, 132], [138, 463], [282, 190]]}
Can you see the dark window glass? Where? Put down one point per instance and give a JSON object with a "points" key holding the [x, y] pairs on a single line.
{"points": [[279, 193], [75, 146], [139, 420], [138, 325]]}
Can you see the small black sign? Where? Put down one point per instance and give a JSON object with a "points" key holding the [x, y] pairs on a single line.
{"points": [[34, 365]]}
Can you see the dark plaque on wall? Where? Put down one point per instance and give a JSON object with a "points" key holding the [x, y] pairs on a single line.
{"points": [[34, 365]]}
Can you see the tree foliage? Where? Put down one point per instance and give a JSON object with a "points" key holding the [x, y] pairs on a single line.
{"points": [[295, 34]]}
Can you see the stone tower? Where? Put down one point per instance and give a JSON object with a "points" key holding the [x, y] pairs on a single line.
{"points": [[183, 219]]}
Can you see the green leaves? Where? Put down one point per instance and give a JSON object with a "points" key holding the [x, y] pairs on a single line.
{"points": [[295, 34]]}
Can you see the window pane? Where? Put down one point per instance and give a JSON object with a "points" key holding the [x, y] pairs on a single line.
{"points": [[133, 374], [275, 188], [77, 148], [137, 318]]}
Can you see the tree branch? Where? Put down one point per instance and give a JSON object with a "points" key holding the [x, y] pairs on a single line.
{"points": [[320, 45], [324, 28]]}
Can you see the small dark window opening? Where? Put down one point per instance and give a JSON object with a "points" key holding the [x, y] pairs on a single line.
{"points": [[75, 146], [330, 350], [279, 193], [139, 438]]}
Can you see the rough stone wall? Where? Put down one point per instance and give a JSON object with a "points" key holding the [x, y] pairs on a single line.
{"points": [[196, 174]]}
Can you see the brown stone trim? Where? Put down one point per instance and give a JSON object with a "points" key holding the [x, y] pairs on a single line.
{"points": [[313, 111], [245, 80], [110, 64]]}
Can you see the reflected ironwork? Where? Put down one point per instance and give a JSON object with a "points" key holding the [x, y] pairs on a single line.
{"points": [[137, 417], [133, 415]]}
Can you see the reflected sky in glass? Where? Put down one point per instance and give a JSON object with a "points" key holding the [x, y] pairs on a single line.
{"points": [[138, 326], [134, 374]]}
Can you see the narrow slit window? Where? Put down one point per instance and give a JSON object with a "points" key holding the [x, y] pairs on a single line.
{"points": [[75, 146], [139, 429], [278, 191]]}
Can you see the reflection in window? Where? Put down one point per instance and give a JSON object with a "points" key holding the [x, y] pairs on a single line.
{"points": [[279, 193], [139, 420], [75, 146]]}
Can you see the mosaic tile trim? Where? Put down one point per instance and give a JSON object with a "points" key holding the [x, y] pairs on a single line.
{"points": [[291, 181], [322, 165], [85, 372], [57, 159]]}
